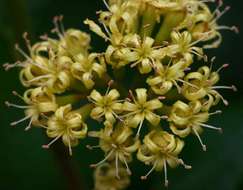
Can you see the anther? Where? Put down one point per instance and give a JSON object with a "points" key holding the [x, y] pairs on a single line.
{"points": [[45, 146], [161, 97], [110, 83], [164, 117], [44, 37], [235, 29]]}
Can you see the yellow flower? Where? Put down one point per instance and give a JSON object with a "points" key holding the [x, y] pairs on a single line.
{"points": [[159, 149], [205, 81], [121, 19], [167, 76], [68, 125], [70, 42], [52, 72], [40, 101], [74, 42], [105, 178], [183, 44], [118, 145], [141, 109], [189, 118], [142, 53], [86, 67], [108, 105]]}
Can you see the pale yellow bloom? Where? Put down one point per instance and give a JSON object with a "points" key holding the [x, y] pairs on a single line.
{"points": [[159, 149], [40, 101], [204, 81], [108, 105], [86, 68], [105, 178], [118, 145], [189, 118], [166, 77], [67, 125], [142, 109]]}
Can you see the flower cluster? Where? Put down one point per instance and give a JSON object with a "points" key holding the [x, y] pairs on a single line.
{"points": [[145, 75]]}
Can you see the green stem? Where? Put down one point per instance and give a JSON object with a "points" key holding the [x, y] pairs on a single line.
{"points": [[165, 110], [148, 22], [78, 86], [170, 22], [69, 169], [85, 110], [70, 99]]}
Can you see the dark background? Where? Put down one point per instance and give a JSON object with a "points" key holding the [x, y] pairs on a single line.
{"points": [[24, 165]]}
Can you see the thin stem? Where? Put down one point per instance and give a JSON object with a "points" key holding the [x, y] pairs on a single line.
{"points": [[68, 167]]}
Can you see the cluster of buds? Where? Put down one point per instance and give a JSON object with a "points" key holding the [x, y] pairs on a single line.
{"points": [[142, 91]]}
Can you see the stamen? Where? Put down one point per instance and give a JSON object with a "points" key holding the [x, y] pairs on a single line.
{"points": [[211, 127], [220, 14], [180, 161], [27, 41], [43, 126], [188, 69], [106, 4], [43, 115], [39, 78], [57, 30], [225, 87], [44, 37], [231, 28], [23, 53], [42, 67], [117, 166], [20, 121], [15, 105], [8, 66], [61, 24], [139, 128], [216, 112], [188, 83], [188, 167], [161, 98], [18, 95], [110, 83], [150, 171], [29, 125], [104, 160], [165, 117], [132, 96], [117, 116], [212, 61], [70, 148], [165, 173], [92, 147], [204, 147], [106, 30], [222, 67], [177, 86], [226, 103], [207, 1], [128, 169], [47, 146]]}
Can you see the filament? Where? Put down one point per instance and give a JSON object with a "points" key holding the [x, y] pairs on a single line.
{"points": [[204, 147]]}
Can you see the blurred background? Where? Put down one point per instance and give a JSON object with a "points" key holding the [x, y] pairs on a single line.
{"points": [[24, 165]]}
